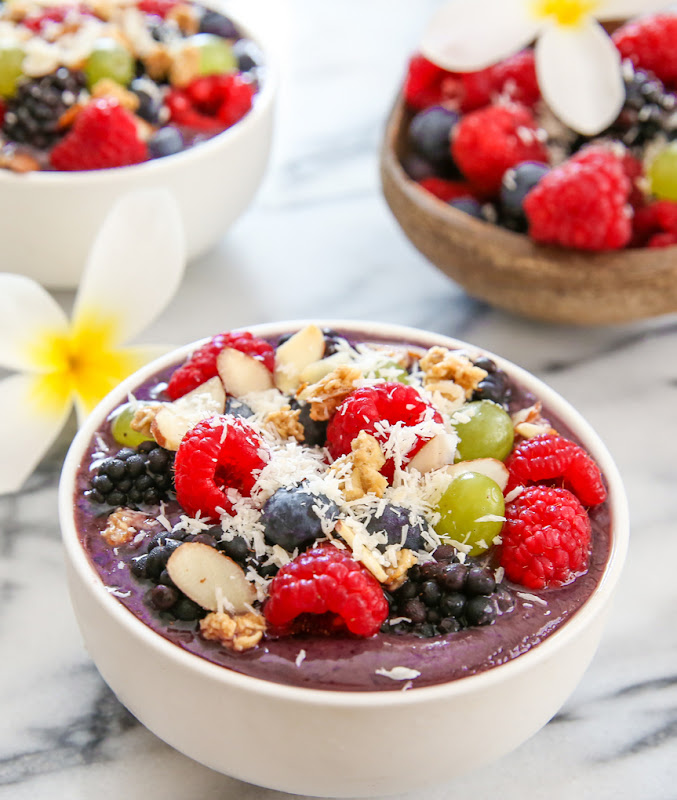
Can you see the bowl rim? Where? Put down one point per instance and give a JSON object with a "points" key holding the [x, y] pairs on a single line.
{"points": [[163, 648], [263, 100]]}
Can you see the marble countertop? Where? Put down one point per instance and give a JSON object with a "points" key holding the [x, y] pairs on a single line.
{"points": [[320, 241]]}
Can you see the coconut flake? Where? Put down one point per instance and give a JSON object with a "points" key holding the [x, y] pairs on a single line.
{"points": [[398, 673]]}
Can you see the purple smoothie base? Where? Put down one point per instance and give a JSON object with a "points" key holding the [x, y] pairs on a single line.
{"points": [[344, 662]]}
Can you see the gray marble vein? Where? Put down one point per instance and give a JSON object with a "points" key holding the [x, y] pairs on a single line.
{"points": [[320, 242]]}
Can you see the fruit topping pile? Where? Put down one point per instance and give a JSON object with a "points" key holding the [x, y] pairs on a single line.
{"points": [[486, 143], [93, 85], [317, 486]]}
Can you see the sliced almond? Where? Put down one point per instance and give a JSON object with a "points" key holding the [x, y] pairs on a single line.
{"points": [[210, 578], [292, 357], [242, 374], [435, 454], [491, 467], [174, 420]]}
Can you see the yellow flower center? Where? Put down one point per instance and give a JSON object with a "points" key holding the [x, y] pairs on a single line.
{"points": [[78, 363], [565, 12]]}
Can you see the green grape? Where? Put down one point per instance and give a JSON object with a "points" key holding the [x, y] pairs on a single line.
{"points": [[123, 433], [485, 431], [391, 371], [11, 61], [109, 59], [468, 499], [662, 173], [216, 54]]}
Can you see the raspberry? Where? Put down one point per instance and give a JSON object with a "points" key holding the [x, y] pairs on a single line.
{"points": [[446, 190], [545, 538], [490, 141], [58, 14], [159, 8], [548, 457], [216, 455], [423, 84], [582, 203], [369, 408], [104, 135], [211, 102], [662, 240], [201, 366], [515, 78], [326, 580], [649, 43]]}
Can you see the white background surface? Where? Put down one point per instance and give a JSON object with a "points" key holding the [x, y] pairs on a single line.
{"points": [[319, 241]]}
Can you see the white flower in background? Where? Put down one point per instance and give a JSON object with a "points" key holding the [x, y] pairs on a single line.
{"points": [[577, 64], [133, 270]]}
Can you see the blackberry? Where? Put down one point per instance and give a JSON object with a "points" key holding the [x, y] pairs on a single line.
{"points": [[33, 114], [290, 517], [444, 596], [649, 110], [134, 478], [495, 387]]}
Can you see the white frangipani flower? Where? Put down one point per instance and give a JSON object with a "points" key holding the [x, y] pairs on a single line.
{"points": [[134, 268], [577, 64]]}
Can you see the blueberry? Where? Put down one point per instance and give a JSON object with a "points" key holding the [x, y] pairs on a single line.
{"points": [[417, 168], [452, 605], [452, 578], [408, 590], [468, 206], [517, 183], [247, 54], [150, 99], [481, 610], [115, 498], [314, 431], [430, 137], [415, 610], [445, 552], [218, 24], [238, 549], [485, 363], [392, 522], [186, 610], [114, 468], [163, 597], [431, 593], [479, 581], [138, 566], [494, 387], [333, 341], [449, 625], [237, 408], [289, 517], [136, 466], [102, 484], [165, 142]]}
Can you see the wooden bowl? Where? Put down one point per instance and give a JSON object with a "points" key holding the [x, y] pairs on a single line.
{"points": [[510, 271]]}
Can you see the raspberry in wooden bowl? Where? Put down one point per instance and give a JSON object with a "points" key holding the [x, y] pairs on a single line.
{"points": [[524, 211], [335, 527], [97, 101]]}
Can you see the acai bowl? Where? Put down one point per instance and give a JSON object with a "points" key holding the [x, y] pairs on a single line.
{"points": [[454, 626], [111, 98]]}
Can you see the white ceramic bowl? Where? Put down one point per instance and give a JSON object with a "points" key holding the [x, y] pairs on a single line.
{"points": [[48, 220], [333, 743]]}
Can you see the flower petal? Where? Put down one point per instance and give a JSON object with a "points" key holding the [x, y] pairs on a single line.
{"points": [[622, 9], [459, 38], [98, 379], [134, 268], [29, 319], [579, 74], [28, 426]]}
